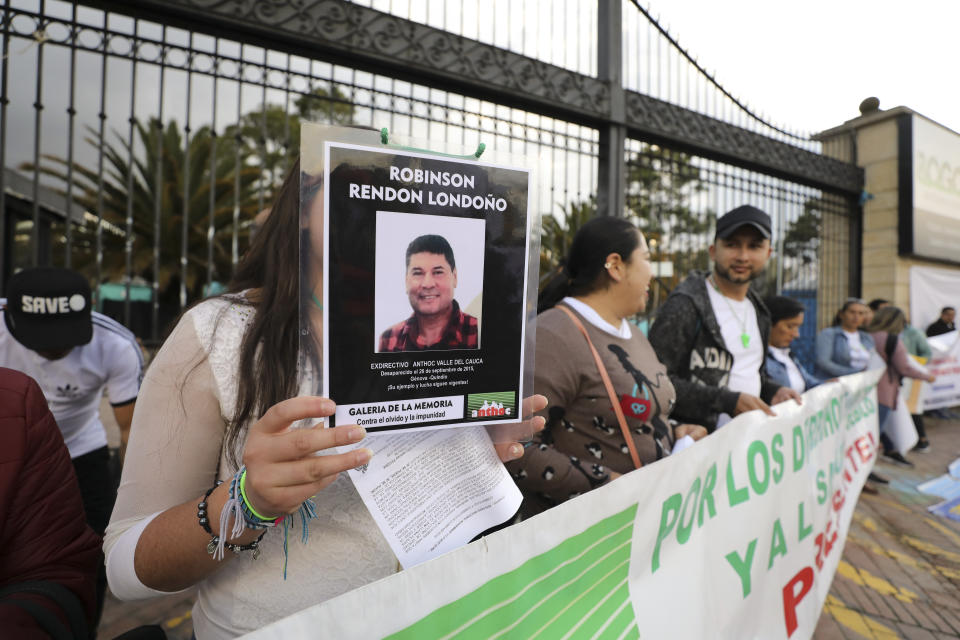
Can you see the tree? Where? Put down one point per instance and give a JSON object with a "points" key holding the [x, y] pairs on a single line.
{"points": [[802, 239], [164, 148], [557, 235], [661, 186], [243, 167], [270, 134]]}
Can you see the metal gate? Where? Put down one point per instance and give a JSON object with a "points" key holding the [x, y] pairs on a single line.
{"points": [[139, 139]]}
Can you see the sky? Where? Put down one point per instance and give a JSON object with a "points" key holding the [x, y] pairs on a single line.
{"points": [[810, 64], [805, 66]]}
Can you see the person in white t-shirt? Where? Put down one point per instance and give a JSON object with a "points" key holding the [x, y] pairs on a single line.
{"points": [[51, 334], [712, 331]]}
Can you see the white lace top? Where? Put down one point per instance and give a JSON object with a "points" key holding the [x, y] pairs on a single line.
{"points": [[174, 454]]}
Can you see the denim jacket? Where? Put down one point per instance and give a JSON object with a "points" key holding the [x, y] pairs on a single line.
{"points": [[778, 373], [833, 353]]}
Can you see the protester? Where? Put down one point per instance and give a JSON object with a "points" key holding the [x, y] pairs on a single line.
{"points": [[51, 334], [712, 331], [786, 316], [229, 361], [916, 343], [603, 282], [943, 324], [885, 329], [48, 554], [844, 348]]}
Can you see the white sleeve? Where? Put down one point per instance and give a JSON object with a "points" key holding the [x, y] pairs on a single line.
{"points": [[121, 573], [124, 362], [173, 453]]}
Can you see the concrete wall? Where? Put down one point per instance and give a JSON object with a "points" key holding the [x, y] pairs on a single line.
{"points": [[884, 273]]}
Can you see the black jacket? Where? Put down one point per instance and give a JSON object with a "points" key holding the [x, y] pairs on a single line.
{"points": [[687, 339], [940, 327]]}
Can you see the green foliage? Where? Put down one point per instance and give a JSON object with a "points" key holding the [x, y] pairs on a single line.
{"points": [[187, 175], [802, 240], [661, 185], [224, 178], [557, 235]]}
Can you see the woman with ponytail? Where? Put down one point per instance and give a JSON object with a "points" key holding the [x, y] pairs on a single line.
{"points": [[584, 309]]}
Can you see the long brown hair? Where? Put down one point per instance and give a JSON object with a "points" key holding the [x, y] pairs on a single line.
{"points": [[890, 319], [269, 352]]}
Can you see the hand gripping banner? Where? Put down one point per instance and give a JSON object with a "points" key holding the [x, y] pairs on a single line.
{"points": [[738, 536]]}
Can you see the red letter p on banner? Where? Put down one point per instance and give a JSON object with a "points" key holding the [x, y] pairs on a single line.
{"points": [[791, 598]]}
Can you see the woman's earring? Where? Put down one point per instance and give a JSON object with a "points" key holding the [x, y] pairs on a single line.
{"points": [[607, 265]]}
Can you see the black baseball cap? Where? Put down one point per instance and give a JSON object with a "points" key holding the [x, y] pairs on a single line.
{"points": [[732, 220], [48, 309]]}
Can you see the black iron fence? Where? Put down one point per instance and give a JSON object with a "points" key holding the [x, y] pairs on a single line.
{"points": [[676, 197], [160, 129]]}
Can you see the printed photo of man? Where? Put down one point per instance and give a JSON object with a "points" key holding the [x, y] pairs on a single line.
{"points": [[437, 323]]}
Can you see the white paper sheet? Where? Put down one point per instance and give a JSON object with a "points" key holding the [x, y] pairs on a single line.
{"points": [[433, 491], [681, 444]]}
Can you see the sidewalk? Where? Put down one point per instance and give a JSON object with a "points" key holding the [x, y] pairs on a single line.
{"points": [[899, 576], [900, 572]]}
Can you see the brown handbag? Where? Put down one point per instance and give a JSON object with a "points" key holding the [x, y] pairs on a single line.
{"points": [[609, 385]]}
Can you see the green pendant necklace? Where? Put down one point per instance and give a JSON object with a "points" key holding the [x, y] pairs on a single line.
{"points": [[744, 336]]}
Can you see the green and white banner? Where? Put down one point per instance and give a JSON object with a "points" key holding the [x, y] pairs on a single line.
{"points": [[738, 536]]}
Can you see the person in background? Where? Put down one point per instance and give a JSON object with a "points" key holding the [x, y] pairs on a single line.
{"points": [[712, 331], [885, 329], [786, 316], [917, 346], [844, 348], [872, 307], [48, 554], [944, 323], [51, 334], [604, 282]]}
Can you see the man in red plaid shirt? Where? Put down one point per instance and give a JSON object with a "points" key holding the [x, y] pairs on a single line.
{"points": [[437, 322]]}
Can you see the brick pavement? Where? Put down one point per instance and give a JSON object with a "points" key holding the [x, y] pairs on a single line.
{"points": [[899, 576], [170, 612]]}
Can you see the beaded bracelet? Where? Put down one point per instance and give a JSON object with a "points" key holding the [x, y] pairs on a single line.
{"points": [[216, 545]]}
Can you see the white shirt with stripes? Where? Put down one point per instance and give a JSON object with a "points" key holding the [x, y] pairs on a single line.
{"points": [[74, 384]]}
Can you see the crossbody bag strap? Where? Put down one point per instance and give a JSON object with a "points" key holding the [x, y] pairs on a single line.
{"points": [[609, 385]]}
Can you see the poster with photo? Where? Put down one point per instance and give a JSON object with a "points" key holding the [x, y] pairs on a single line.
{"points": [[425, 288]]}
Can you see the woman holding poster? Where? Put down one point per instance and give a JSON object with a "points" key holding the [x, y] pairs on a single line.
{"points": [[213, 429], [604, 281]]}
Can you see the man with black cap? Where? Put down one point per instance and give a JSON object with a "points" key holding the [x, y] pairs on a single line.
{"points": [[712, 331], [51, 334]]}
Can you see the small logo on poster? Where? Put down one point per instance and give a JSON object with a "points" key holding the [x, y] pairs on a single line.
{"points": [[491, 405]]}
